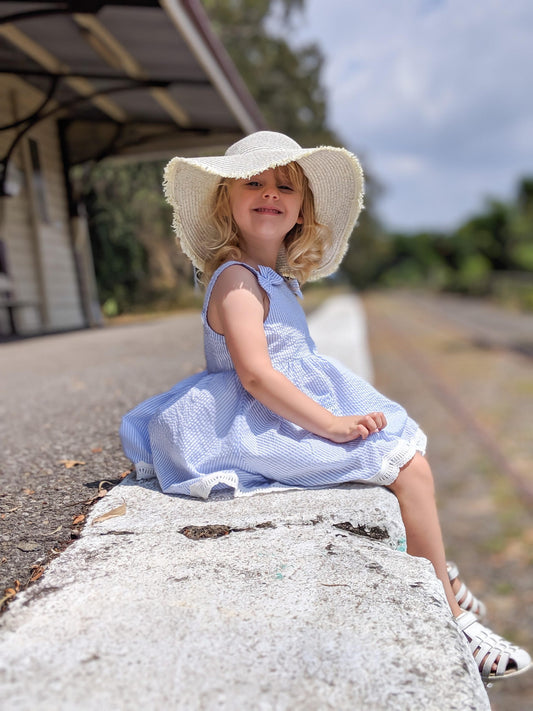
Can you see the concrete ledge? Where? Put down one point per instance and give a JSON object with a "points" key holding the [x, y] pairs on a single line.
{"points": [[372, 508], [291, 613]]}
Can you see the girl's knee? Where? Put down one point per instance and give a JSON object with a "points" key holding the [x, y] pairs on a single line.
{"points": [[416, 473]]}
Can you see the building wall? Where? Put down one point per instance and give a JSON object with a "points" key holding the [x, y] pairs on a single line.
{"points": [[34, 223]]}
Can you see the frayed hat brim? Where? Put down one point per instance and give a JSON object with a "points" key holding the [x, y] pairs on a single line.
{"points": [[334, 174]]}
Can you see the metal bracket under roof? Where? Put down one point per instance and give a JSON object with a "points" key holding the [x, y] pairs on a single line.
{"points": [[42, 112]]}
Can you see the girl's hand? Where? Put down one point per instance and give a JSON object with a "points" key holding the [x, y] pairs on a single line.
{"points": [[350, 427]]}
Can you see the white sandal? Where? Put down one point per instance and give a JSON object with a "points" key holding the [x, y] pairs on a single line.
{"points": [[466, 600], [489, 648]]}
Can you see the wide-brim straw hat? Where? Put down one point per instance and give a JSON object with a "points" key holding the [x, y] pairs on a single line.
{"points": [[334, 174]]}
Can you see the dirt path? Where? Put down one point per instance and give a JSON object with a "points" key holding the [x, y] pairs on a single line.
{"points": [[473, 397]]}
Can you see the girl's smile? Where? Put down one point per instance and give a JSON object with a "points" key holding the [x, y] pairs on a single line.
{"points": [[268, 211]]}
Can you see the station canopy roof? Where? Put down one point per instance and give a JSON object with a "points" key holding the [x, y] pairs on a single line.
{"points": [[137, 78]]}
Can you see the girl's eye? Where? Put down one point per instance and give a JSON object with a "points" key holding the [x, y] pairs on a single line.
{"points": [[257, 184]]}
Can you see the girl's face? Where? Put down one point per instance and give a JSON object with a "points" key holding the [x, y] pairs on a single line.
{"points": [[265, 207]]}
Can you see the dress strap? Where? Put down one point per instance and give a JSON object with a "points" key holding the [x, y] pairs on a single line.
{"points": [[267, 278]]}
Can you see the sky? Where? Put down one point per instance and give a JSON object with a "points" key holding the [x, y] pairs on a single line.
{"points": [[434, 96]]}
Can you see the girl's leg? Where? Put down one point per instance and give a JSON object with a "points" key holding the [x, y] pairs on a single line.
{"points": [[415, 491]]}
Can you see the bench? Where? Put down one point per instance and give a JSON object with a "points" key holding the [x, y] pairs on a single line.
{"points": [[9, 303]]}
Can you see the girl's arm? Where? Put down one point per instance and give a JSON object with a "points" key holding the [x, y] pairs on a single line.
{"points": [[237, 309]]}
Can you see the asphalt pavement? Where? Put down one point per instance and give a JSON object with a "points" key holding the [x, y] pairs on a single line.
{"points": [[61, 401]]}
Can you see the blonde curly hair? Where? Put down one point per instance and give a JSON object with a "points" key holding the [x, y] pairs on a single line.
{"points": [[304, 244]]}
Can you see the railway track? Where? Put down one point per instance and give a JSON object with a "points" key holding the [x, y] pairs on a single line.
{"points": [[458, 373], [465, 328]]}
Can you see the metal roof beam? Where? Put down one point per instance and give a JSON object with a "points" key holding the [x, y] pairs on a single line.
{"points": [[153, 82], [43, 57], [193, 38], [117, 56]]}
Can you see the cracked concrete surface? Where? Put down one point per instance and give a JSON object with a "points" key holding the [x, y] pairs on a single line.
{"points": [[298, 614]]}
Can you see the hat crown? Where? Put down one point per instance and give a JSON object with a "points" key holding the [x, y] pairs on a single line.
{"points": [[263, 141]]}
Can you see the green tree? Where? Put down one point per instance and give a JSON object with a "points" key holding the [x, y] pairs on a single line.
{"points": [[285, 82], [135, 256], [521, 228], [489, 254]]}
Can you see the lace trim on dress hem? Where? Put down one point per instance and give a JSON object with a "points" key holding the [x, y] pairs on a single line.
{"points": [[400, 455], [144, 471], [201, 488]]}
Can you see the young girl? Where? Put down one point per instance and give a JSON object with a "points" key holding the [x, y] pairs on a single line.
{"points": [[270, 413]]}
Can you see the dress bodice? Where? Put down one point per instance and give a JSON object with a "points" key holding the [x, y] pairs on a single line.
{"points": [[286, 328]]}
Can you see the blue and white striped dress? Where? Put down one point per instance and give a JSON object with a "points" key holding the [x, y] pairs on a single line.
{"points": [[208, 433]]}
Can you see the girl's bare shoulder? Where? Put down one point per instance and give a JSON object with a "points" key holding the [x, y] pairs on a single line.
{"points": [[233, 278]]}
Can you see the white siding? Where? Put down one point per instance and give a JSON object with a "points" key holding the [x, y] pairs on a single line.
{"points": [[40, 257], [16, 227]]}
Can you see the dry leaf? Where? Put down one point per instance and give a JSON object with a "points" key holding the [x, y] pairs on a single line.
{"points": [[69, 463], [96, 450], [125, 474], [8, 594], [38, 570], [57, 530], [101, 490], [78, 519], [29, 492], [119, 511], [11, 592]]}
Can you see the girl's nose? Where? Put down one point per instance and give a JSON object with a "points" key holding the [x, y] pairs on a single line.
{"points": [[270, 191]]}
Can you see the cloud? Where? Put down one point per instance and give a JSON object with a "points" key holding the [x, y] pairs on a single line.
{"points": [[436, 95]]}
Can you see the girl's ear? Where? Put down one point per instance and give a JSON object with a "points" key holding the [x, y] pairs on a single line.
{"points": [[300, 219]]}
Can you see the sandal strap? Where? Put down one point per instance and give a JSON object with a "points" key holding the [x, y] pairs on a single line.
{"points": [[453, 570], [465, 598], [469, 601], [488, 648]]}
